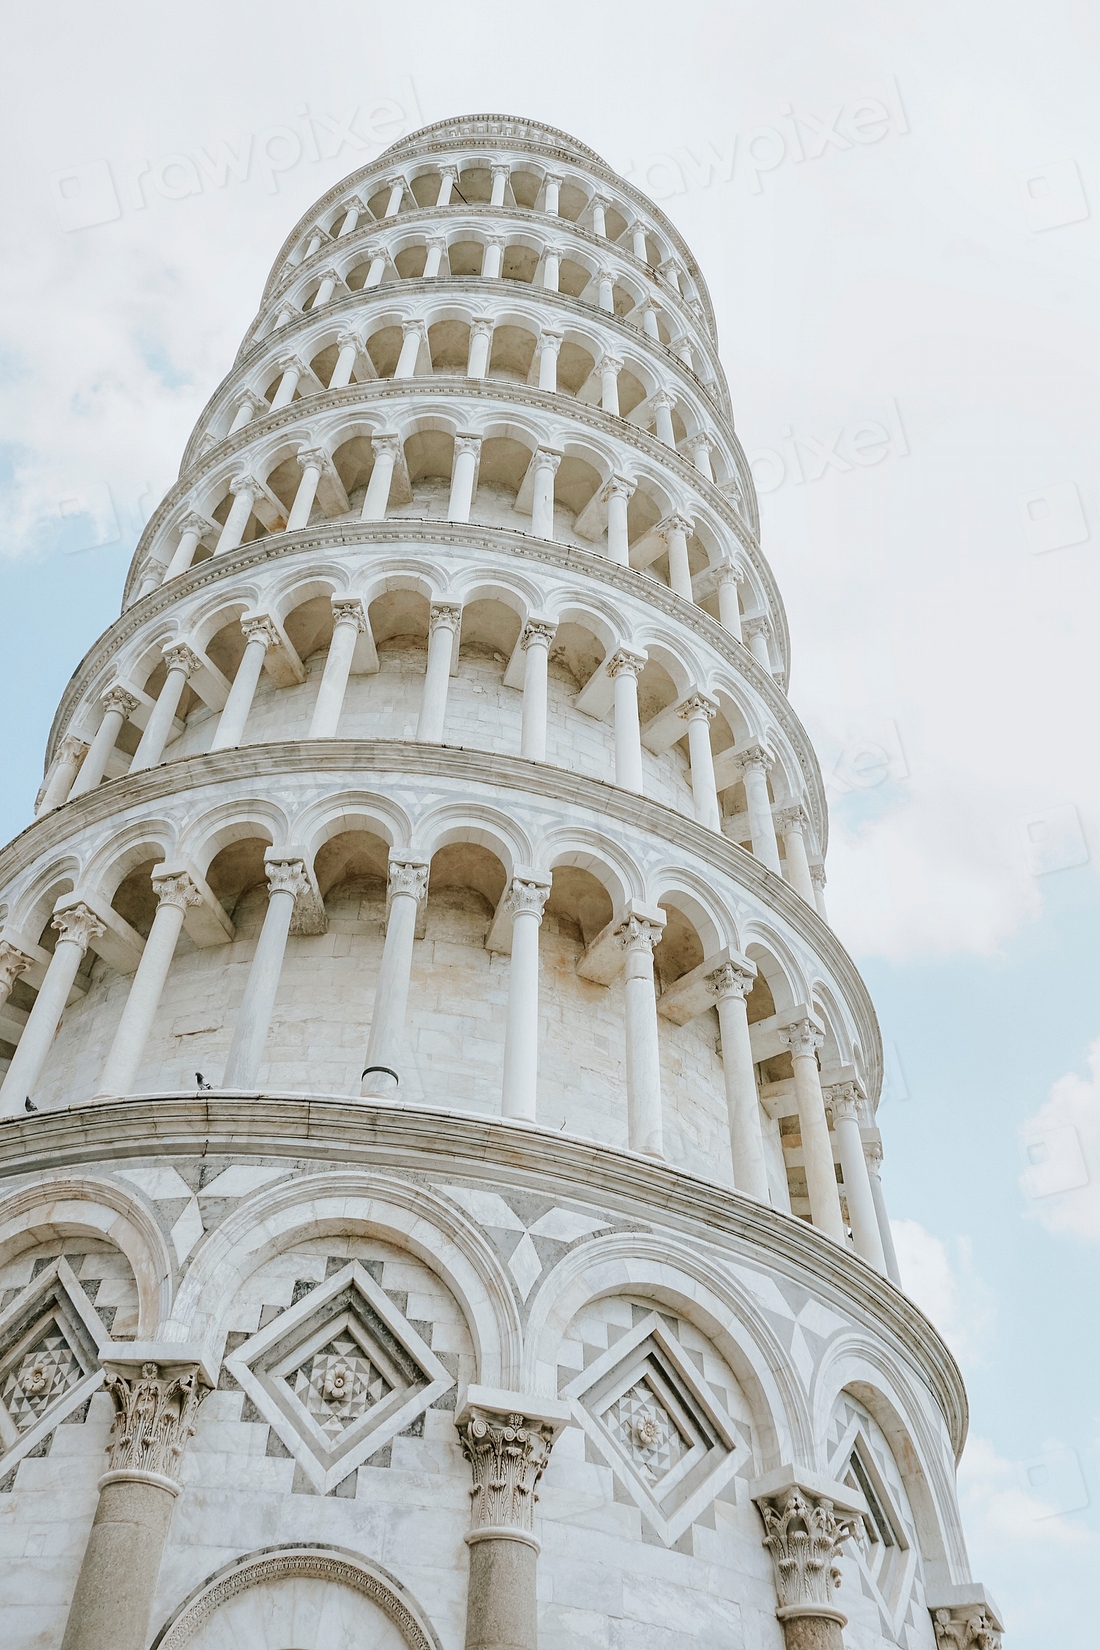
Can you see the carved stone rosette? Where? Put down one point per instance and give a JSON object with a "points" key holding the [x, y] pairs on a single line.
{"points": [[507, 1456], [154, 1416]]}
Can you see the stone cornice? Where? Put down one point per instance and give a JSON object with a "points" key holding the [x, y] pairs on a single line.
{"points": [[352, 302], [426, 1140], [467, 132], [531, 779], [384, 535], [484, 390], [522, 216]]}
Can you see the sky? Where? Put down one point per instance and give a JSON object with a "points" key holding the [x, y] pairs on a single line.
{"points": [[897, 211]]}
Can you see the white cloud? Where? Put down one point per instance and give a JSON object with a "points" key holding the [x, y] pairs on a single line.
{"points": [[1061, 1150], [941, 1279]]}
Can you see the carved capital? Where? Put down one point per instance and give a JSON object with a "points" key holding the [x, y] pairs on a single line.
{"points": [[966, 1627], [804, 1535], [408, 876], [730, 572], [178, 656], [348, 610], [388, 445], [154, 1417], [260, 628], [78, 925], [702, 443], [72, 749], [872, 1151], [244, 483], [755, 757], [350, 336], [663, 398], [696, 706], [290, 363], [730, 981], [802, 1037], [496, 240], [791, 819], [676, 524], [177, 890], [637, 934], [537, 632], [842, 1101], [550, 342], [757, 626], [13, 962], [817, 874], [618, 487], [444, 616], [625, 663], [287, 876], [482, 326], [610, 276], [544, 459], [192, 521], [467, 444], [527, 898], [507, 1456], [117, 698], [411, 328], [312, 458]]}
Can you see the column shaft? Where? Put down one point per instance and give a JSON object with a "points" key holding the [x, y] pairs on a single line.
{"points": [[234, 716], [628, 733], [798, 864], [254, 1017], [437, 675], [750, 1173], [643, 1054], [184, 554], [463, 471], [761, 825], [703, 789], [729, 610], [304, 497], [857, 1185], [381, 477], [886, 1237], [536, 644], [817, 1151], [542, 500], [62, 781], [679, 571], [481, 339], [521, 1032], [408, 886], [123, 1061], [75, 927], [345, 363], [159, 726], [118, 1574], [618, 539], [334, 681], [236, 521]]}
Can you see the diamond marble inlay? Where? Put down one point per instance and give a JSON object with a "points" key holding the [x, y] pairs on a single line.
{"points": [[41, 1375], [339, 1384], [646, 1431]]}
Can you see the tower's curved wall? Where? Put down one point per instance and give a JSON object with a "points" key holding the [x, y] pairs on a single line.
{"points": [[428, 1070]]}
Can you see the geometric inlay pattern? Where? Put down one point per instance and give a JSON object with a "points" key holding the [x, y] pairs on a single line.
{"points": [[50, 1338], [339, 1374], [657, 1425], [884, 1545]]}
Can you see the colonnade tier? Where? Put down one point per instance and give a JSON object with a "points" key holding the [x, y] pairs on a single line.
{"points": [[331, 643], [484, 327], [655, 954]]}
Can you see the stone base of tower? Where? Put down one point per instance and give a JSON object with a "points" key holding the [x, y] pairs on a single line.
{"points": [[474, 1379]]}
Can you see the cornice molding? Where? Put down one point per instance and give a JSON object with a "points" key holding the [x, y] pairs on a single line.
{"points": [[426, 1140], [491, 768], [383, 536]]}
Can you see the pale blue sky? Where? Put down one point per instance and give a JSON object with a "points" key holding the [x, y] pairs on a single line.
{"points": [[929, 271]]}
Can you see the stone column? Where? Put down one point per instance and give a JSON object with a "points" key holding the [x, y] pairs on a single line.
{"points": [[192, 528], [842, 1101], [637, 241], [755, 763], [408, 885], [492, 261], [553, 190], [378, 261], [448, 177], [286, 880], [535, 641], [677, 530], [551, 266], [244, 489], [350, 346], [312, 463], [437, 246], [606, 278], [397, 195], [624, 668], [443, 623], [663, 404], [609, 369], [348, 624], [292, 370], [182, 664], [643, 1055], [792, 823], [700, 452], [507, 1453], [804, 1039], [526, 900], [261, 634], [699, 712], [387, 450], [351, 219], [756, 632], [71, 753], [542, 500], [316, 241], [174, 895], [729, 610], [804, 1533], [481, 341], [247, 408], [599, 205], [872, 1151], [730, 986], [412, 337], [501, 175], [13, 962], [549, 345], [649, 322], [76, 928], [817, 877], [967, 1626], [155, 1407], [327, 287], [463, 472], [618, 492]]}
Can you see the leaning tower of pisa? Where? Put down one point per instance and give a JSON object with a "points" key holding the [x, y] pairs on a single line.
{"points": [[439, 1180]]}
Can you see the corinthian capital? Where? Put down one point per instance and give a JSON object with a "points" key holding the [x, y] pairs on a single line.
{"points": [[698, 705], [177, 890], [178, 656], [444, 616], [154, 1417], [625, 663], [13, 962], [538, 632], [408, 876], [526, 898], [966, 1627], [79, 925], [804, 1534], [638, 934], [259, 627], [507, 1456], [349, 610], [118, 698], [731, 980], [802, 1037], [287, 876]]}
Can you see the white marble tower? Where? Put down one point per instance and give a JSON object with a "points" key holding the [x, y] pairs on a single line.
{"points": [[439, 1181]]}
